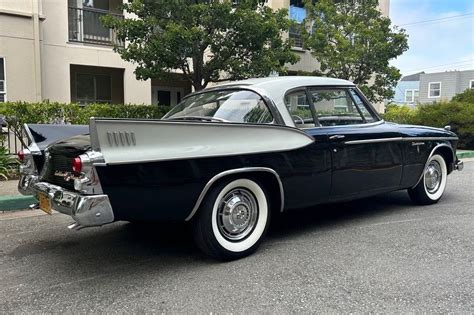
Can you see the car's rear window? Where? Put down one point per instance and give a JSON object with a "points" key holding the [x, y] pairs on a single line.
{"points": [[240, 106]]}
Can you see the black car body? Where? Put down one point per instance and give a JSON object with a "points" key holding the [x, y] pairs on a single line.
{"points": [[227, 157]]}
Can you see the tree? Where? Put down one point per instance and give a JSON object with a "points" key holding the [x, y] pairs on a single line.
{"points": [[208, 41], [353, 41]]}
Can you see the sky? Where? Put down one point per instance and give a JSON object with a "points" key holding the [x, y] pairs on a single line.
{"points": [[435, 46]]}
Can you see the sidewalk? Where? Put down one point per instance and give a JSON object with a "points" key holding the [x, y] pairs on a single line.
{"points": [[11, 199]]}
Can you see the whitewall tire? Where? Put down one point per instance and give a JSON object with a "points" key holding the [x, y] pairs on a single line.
{"points": [[431, 187], [232, 219]]}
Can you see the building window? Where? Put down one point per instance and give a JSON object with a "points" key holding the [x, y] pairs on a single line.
{"points": [[471, 84], [3, 82], [411, 96], [166, 95], [93, 88], [434, 89]]}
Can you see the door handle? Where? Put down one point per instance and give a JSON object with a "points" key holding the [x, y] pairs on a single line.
{"points": [[337, 137]]}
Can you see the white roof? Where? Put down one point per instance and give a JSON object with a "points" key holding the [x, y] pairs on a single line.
{"points": [[276, 88], [289, 82]]}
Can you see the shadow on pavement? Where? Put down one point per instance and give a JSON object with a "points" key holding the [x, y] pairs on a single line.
{"points": [[169, 245]]}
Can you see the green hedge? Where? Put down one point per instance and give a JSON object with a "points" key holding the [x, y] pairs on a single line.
{"points": [[459, 115], [18, 113], [47, 112]]}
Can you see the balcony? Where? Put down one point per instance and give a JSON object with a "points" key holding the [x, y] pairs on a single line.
{"points": [[294, 35], [85, 26]]}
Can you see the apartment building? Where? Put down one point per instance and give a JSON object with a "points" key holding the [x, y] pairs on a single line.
{"points": [[442, 86], [58, 50]]}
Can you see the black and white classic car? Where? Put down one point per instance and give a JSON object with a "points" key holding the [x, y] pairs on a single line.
{"points": [[226, 158]]}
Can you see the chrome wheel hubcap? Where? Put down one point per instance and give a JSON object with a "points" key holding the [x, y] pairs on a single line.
{"points": [[237, 214], [433, 177]]}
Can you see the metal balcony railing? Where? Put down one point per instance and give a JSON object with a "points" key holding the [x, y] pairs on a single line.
{"points": [[85, 26], [294, 34]]}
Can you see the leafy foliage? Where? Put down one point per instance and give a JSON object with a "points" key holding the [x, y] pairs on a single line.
{"points": [[203, 39], [467, 96], [353, 41], [19, 113], [460, 116], [7, 163]]}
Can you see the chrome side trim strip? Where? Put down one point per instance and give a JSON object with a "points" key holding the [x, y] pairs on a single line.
{"points": [[400, 139], [231, 172], [429, 157], [429, 138], [374, 140]]}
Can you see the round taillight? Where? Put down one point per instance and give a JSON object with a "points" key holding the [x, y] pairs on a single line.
{"points": [[77, 165], [21, 155]]}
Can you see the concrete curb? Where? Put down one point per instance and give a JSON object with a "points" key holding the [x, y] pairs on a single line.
{"points": [[465, 154], [12, 203]]}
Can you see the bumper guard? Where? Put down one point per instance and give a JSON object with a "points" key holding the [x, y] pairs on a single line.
{"points": [[86, 210]]}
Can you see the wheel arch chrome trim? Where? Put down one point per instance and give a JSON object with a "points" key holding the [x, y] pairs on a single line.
{"points": [[233, 172], [430, 156]]}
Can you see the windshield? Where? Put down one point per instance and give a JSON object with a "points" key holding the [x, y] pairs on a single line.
{"points": [[240, 106]]}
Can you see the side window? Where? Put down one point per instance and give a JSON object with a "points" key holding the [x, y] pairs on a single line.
{"points": [[368, 116], [335, 107], [299, 108]]}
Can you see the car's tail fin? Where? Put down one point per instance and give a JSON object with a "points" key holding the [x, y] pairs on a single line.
{"points": [[127, 141]]}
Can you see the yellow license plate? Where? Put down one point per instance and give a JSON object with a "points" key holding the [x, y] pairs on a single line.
{"points": [[44, 203]]}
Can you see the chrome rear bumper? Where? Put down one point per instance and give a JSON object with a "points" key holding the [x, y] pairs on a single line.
{"points": [[86, 210], [26, 183]]}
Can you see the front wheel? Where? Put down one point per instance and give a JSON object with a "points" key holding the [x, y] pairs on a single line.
{"points": [[233, 219], [431, 187]]}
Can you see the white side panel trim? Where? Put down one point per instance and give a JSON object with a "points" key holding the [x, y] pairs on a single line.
{"points": [[129, 141]]}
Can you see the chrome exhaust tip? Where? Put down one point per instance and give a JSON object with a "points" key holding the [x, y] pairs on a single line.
{"points": [[459, 165]]}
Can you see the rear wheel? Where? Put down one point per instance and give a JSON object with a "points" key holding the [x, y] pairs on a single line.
{"points": [[233, 219], [431, 187]]}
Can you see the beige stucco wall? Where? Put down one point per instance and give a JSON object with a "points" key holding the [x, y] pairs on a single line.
{"points": [[47, 76], [17, 47], [58, 54], [20, 6]]}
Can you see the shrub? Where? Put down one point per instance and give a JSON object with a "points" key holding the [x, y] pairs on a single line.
{"points": [[466, 97], [459, 115], [19, 113], [7, 163]]}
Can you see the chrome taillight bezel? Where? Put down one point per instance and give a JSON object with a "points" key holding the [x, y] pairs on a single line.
{"points": [[87, 181], [27, 166]]}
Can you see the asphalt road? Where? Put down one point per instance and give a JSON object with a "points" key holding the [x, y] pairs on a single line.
{"points": [[375, 255]]}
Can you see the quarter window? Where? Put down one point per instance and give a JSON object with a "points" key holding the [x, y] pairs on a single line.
{"points": [[434, 89], [3, 84], [300, 109], [336, 107]]}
